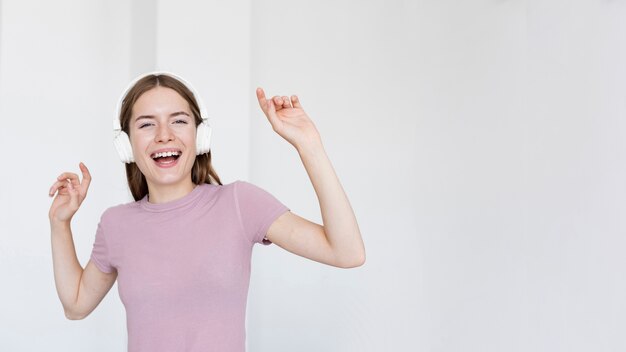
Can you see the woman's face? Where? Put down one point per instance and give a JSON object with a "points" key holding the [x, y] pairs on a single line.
{"points": [[163, 136]]}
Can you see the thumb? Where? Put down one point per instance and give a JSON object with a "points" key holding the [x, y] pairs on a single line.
{"points": [[271, 114]]}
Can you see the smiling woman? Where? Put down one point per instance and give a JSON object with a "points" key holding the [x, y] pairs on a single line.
{"points": [[162, 104], [181, 253], [163, 137]]}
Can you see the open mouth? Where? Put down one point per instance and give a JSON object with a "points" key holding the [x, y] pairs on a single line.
{"points": [[166, 158]]}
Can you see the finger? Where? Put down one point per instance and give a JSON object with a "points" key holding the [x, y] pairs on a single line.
{"points": [[271, 114], [73, 195], [69, 176], [56, 186], [263, 103], [296, 102], [286, 102], [278, 102], [86, 176], [52, 191]]}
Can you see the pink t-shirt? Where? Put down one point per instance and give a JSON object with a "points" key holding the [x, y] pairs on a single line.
{"points": [[184, 266]]}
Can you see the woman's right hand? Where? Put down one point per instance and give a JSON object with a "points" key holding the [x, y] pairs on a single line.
{"points": [[70, 193]]}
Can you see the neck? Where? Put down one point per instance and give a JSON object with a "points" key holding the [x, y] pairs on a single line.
{"points": [[166, 193]]}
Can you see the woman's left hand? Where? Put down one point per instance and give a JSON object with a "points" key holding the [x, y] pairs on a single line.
{"points": [[289, 120]]}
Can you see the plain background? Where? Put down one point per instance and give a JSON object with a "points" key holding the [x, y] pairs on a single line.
{"points": [[480, 143]]}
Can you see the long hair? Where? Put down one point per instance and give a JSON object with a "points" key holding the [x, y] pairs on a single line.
{"points": [[202, 170]]}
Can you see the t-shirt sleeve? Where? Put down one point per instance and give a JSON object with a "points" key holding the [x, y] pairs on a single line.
{"points": [[100, 251], [257, 210]]}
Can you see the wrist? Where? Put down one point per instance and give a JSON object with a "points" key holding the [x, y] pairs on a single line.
{"points": [[312, 148], [59, 225]]}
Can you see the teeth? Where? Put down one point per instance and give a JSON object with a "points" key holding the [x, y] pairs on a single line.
{"points": [[164, 154]]}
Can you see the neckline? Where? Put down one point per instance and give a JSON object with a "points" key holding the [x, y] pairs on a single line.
{"points": [[189, 198]]}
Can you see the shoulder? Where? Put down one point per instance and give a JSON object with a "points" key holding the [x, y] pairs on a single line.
{"points": [[245, 186], [239, 187], [119, 211], [247, 190]]}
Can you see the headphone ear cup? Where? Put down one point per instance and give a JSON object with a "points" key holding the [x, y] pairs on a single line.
{"points": [[203, 138], [123, 147]]}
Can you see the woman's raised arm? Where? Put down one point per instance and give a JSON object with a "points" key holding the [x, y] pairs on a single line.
{"points": [[338, 241], [80, 291]]}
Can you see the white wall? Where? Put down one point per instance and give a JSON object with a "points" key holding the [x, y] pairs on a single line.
{"points": [[208, 43], [62, 67], [480, 143]]}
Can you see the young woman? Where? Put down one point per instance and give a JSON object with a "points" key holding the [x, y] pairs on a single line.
{"points": [[181, 252]]}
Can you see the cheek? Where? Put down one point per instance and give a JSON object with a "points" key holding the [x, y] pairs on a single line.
{"points": [[139, 141], [188, 138], [139, 144], [188, 135]]}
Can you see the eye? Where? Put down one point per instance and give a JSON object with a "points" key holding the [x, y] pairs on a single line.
{"points": [[145, 124], [180, 121]]}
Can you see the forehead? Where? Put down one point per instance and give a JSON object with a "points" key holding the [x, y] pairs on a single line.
{"points": [[160, 100]]}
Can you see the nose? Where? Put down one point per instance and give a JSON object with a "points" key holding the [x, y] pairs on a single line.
{"points": [[164, 134]]}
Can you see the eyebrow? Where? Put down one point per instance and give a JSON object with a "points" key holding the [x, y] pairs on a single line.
{"points": [[174, 114]]}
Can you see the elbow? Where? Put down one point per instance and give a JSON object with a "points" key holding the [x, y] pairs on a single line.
{"points": [[351, 265], [354, 262], [73, 315]]}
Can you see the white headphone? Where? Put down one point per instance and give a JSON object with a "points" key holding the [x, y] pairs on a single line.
{"points": [[122, 141]]}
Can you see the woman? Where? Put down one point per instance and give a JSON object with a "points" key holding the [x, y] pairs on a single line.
{"points": [[181, 252]]}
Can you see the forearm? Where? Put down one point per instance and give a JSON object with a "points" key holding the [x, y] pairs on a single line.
{"points": [[67, 269], [340, 224]]}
